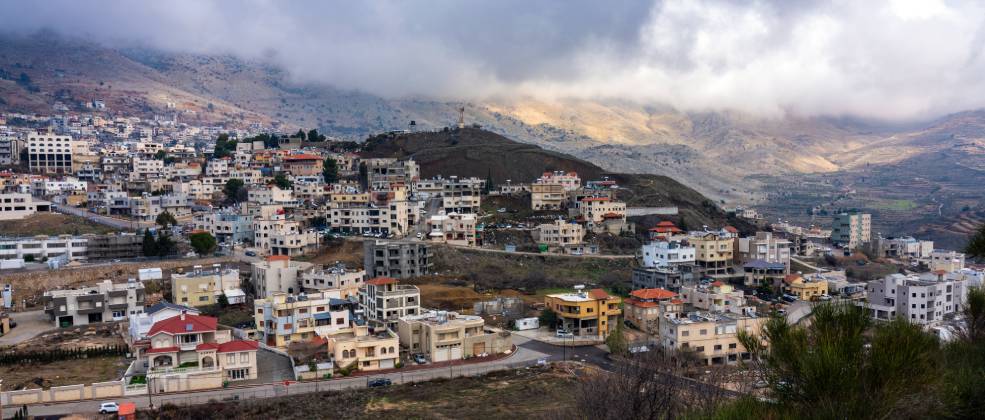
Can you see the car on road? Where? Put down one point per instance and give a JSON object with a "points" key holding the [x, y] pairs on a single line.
{"points": [[250, 254], [420, 235], [501, 210], [420, 359], [378, 382], [564, 334], [109, 407]]}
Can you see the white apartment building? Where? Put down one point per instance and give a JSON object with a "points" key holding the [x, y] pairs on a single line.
{"points": [[272, 195], [765, 247], [16, 206], [88, 305], [278, 274], [922, 299], [946, 260], [567, 180], [40, 247], [667, 254], [225, 225], [146, 168], [147, 207], [49, 153], [715, 296], [595, 210], [275, 235], [453, 228], [384, 301], [346, 281]]}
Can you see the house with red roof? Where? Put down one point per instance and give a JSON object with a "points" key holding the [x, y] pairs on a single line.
{"points": [[188, 352], [642, 308], [304, 164]]}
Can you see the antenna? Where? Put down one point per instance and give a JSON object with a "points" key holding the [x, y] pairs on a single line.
{"points": [[461, 117]]}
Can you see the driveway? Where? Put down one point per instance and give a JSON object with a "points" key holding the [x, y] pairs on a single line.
{"points": [[271, 367], [29, 325]]}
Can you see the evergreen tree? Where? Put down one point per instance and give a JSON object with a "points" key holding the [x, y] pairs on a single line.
{"points": [[149, 245], [330, 170], [300, 134], [282, 182], [976, 245], [166, 219]]}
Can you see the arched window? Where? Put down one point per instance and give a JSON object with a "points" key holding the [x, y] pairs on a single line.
{"points": [[382, 350], [391, 350]]}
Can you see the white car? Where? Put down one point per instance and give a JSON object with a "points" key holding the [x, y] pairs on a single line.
{"points": [[108, 407]]}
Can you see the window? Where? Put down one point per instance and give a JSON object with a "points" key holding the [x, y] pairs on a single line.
{"points": [[230, 359], [203, 298], [685, 333], [732, 346], [703, 332], [339, 321], [718, 347], [244, 357]]}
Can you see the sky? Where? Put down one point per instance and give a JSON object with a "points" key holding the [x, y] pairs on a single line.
{"points": [[890, 60]]}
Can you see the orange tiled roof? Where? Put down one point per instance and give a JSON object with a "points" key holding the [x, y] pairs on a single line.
{"points": [[655, 293], [598, 294]]}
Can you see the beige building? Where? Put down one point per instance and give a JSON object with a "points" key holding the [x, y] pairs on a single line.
{"points": [[642, 308], [16, 206], [713, 337], [49, 153], [547, 196], [587, 314], [851, 230], [202, 287], [715, 296], [364, 349], [453, 229], [284, 319], [278, 274], [276, 235], [383, 301], [595, 210], [346, 281], [714, 252], [445, 336], [560, 234]]}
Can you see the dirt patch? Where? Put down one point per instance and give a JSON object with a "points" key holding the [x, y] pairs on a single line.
{"points": [[79, 337], [63, 372], [348, 252], [52, 224]]}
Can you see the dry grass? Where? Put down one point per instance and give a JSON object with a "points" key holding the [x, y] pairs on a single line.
{"points": [[348, 252], [64, 372], [51, 224]]}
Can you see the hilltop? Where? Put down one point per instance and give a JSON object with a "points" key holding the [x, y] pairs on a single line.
{"points": [[480, 153]]}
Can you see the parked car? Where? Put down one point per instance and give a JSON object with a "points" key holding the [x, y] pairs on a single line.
{"points": [[108, 407], [420, 359], [564, 334], [378, 382], [251, 254]]}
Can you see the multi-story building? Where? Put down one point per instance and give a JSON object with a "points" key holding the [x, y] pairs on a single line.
{"points": [[363, 348], [642, 308], [272, 195], [49, 153], [444, 336], [386, 212], [10, 149], [547, 196], [926, 299], [714, 296], [147, 207], [595, 210], [338, 277], [188, 352], [397, 259], [453, 228], [276, 235], [202, 287], [461, 196], [560, 234], [592, 314], [712, 337], [303, 164], [278, 274], [384, 300], [714, 252], [945, 260], [41, 247], [904, 247], [88, 305], [851, 230], [567, 180], [225, 226], [383, 172], [146, 168], [16, 206], [765, 247], [762, 273], [141, 323], [284, 318], [805, 288], [667, 254], [113, 246], [671, 277]]}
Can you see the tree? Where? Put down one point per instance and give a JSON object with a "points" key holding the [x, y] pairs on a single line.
{"points": [[235, 191], [165, 245], [976, 245], [166, 219], [160, 155], [489, 182], [617, 341], [300, 134], [363, 176], [548, 318], [223, 146], [281, 181], [149, 246], [330, 170], [222, 300], [202, 242], [313, 136]]}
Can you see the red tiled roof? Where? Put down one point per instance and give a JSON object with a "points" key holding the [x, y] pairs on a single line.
{"points": [[176, 325], [640, 303], [731, 229], [655, 293], [238, 345], [716, 283], [789, 278], [666, 223], [162, 350], [207, 346], [379, 281], [598, 294], [677, 302], [611, 215]]}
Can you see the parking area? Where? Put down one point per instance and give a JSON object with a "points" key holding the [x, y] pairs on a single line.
{"points": [[29, 325], [271, 367]]}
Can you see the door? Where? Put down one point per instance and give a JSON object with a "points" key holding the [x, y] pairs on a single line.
{"points": [[441, 354], [456, 353], [478, 348]]}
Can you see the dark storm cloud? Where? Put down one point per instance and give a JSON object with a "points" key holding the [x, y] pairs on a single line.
{"points": [[894, 59]]}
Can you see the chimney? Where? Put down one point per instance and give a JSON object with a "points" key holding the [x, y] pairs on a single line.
{"points": [[183, 312]]}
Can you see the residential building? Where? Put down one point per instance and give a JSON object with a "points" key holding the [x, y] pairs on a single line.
{"points": [[141, 323], [363, 347], [712, 337], [278, 274], [285, 318], [453, 229], [592, 314], [667, 254], [202, 287], [851, 229], [714, 296], [49, 153], [114, 246], [804, 288], [946, 260], [765, 247], [384, 300], [715, 252], [274, 234], [546, 196], [559, 235], [921, 299], [904, 248], [461, 196], [303, 164], [593, 211], [567, 180], [346, 281], [642, 308], [671, 277], [397, 259], [226, 226], [10, 149], [38, 248], [89, 305], [16, 206], [444, 336], [760, 273], [188, 352]]}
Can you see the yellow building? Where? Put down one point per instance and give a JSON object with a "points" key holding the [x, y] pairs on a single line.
{"points": [[284, 318], [804, 289], [585, 314], [713, 252], [362, 349], [202, 287], [712, 337]]}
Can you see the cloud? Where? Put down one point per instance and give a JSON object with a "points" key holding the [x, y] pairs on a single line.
{"points": [[893, 60]]}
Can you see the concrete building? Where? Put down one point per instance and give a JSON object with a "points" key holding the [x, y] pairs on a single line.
{"points": [[444, 336], [453, 229], [10, 149], [596, 210], [946, 260], [346, 281], [278, 274], [363, 348], [274, 234], [284, 318], [89, 305], [16, 206], [758, 273], [461, 196], [303, 164], [714, 296], [671, 278], [569, 181], [225, 226], [851, 230], [804, 288], [114, 246], [714, 253], [203, 286], [665, 254], [765, 247], [559, 235], [904, 248], [49, 153], [547, 196], [592, 314], [712, 337], [383, 301], [642, 308], [38, 248], [922, 299], [141, 323], [397, 259]]}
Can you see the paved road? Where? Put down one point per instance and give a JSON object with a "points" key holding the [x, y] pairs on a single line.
{"points": [[543, 254], [103, 220], [29, 325], [808, 265], [525, 355], [796, 311]]}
